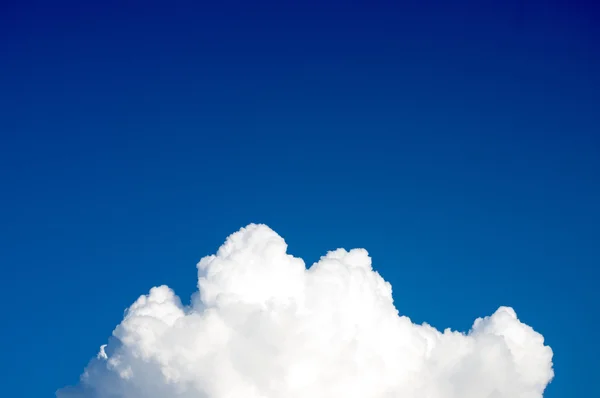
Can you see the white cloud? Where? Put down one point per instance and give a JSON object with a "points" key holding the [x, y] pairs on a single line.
{"points": [[264, 326]]}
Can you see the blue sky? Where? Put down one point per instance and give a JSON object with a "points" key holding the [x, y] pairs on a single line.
{"points": [[457, 143]]}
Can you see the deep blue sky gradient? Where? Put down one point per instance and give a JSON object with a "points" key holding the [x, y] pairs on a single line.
{"points": [[457, 142]]}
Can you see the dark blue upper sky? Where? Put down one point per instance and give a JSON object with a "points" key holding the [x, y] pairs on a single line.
{"points": [[458, 143]]}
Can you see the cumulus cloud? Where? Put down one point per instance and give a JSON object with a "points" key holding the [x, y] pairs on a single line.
{"points": [[262, 325]]}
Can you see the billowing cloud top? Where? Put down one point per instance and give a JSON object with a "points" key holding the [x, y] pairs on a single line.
{"points": [[264, 326]]}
